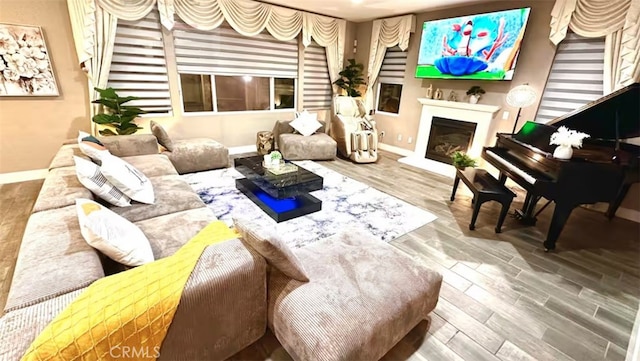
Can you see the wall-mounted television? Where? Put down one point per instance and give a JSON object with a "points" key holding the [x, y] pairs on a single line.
{"points": [[481, 47]]}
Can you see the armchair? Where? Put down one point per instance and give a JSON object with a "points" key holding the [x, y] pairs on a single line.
{"points": [[355, 133]]}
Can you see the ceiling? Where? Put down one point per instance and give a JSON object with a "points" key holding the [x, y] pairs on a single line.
{"points": [[370, 9]]}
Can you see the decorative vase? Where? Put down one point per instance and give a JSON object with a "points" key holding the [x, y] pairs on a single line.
{"points": [[563, 152], [430, 91], [438, 94], [473, 99]]}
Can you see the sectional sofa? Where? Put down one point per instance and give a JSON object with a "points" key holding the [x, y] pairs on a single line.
{"points": [[360, 295], [55, 264]]}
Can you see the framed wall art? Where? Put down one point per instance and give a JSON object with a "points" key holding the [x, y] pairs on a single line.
{"points": [[25, 67]]}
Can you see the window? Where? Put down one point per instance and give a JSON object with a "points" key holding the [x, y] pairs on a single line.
{"points": [[317, 84], [390, 80], [223, 71], [576, 77], [284, 93], [389, 98], [138, 67], [196, 93], [237, 93]]}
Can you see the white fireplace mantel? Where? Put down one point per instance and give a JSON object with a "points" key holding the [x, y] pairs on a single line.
{"points": [[480, 114]]}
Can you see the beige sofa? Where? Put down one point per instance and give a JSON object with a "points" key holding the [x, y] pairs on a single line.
{"points": [[362, 298], [55, 264], [294, 146]]}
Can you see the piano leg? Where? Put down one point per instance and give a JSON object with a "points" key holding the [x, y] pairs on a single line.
{"points": [[613, 206], [560, 216], [526, 215]]}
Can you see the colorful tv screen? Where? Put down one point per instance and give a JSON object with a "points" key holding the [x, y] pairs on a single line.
{"points": [[481, 47]]}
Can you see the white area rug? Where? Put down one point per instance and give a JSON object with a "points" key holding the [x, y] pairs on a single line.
{"points": [[345, 203]]}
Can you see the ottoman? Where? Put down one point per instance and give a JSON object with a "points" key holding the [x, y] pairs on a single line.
{"points": [[362, 298], [197, 155]]}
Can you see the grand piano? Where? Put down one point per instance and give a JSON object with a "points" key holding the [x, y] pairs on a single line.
{"points": [[601, 171]]}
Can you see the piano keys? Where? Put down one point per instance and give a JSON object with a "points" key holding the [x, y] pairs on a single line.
{"points": [[602, 171]]}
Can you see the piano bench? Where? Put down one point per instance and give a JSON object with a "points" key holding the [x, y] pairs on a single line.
{"points": [[485, 187]]}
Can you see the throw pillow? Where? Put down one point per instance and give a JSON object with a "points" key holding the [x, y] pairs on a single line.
{"points": [[128, 179], [272, 248], [90, 176], [91, 146], [163, 138], [111, 234], [306, 124]]}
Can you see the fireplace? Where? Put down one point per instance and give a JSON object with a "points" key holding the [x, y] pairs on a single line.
{"points": [[448, 136]]}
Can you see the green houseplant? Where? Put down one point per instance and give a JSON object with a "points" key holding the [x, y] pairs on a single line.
{"points": [[118, 116], [460, 160], [351, 78]]}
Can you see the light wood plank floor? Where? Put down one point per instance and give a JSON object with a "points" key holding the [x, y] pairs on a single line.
{"points": [[502, 298]]}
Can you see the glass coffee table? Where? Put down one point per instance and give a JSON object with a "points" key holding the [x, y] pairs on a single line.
{"points": [[281, 196]]}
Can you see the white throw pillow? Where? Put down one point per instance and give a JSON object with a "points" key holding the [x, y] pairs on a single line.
{"points": [[90, 176], [306, 123], [128, 179], [116, 237], [91, 146]]}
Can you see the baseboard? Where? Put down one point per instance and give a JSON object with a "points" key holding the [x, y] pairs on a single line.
{"points": [[23, 176], [397, 150], [626, 213], [242, 149]]}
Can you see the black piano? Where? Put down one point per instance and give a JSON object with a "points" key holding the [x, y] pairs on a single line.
{"points": [[601, 171]]}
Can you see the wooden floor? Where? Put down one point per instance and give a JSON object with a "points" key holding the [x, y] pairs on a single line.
{"points": [[502, 298]]}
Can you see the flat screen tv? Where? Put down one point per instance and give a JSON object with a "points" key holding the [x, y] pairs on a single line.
{"points": [[481, 47]]}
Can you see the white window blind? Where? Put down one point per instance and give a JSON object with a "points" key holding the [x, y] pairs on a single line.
{"points": [[138, 67], [393, 66], [576, 77], [223, 51], [317, 84]]}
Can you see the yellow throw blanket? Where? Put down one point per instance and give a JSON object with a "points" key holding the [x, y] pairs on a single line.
{"points": [[127, 312]]}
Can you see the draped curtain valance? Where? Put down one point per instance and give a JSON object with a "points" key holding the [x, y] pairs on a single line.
{"points": [[618, 20], [247, 17], [386, 33]]}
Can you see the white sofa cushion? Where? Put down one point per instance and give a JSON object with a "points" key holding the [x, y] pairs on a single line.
{"points": [[113, 235], [90, 176], [128, 179], [306, 123]]}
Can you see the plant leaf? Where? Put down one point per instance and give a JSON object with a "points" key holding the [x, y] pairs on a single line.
{"points": [[108, 93], [106, 132], [103, 118], [122, 100]]}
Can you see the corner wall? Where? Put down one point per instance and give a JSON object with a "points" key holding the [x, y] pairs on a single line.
{"points": [[32, 128]]}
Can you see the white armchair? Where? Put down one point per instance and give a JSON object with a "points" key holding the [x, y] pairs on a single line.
{"points": [[354, 131]]}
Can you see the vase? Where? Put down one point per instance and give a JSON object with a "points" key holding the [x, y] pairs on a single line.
{"points": [[473, 99], [563, 152], [430, 91]]}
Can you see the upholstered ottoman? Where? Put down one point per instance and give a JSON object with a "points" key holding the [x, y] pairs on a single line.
{"points": [[197, 155], [362, 298]]}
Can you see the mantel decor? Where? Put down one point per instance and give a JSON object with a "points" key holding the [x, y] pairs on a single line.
{"points": [[25, 68]]}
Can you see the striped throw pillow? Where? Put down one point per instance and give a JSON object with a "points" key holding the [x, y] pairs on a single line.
{"points": [[90, 176]]}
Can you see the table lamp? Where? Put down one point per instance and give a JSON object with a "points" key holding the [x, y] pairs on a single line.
{"points": [[521, 96]]}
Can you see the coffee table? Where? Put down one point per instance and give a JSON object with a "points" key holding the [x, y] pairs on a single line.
{"points": [[282, 197]]}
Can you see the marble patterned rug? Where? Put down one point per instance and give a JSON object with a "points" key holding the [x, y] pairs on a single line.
{"points": [[345, 203]]}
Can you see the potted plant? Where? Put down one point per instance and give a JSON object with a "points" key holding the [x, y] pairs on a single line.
{"points": [[118, 116], [565, 139], [351, 78], [474, 93], [460, 160]]}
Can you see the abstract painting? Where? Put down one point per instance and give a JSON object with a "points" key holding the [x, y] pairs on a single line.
{"points": [[25, 68]]}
